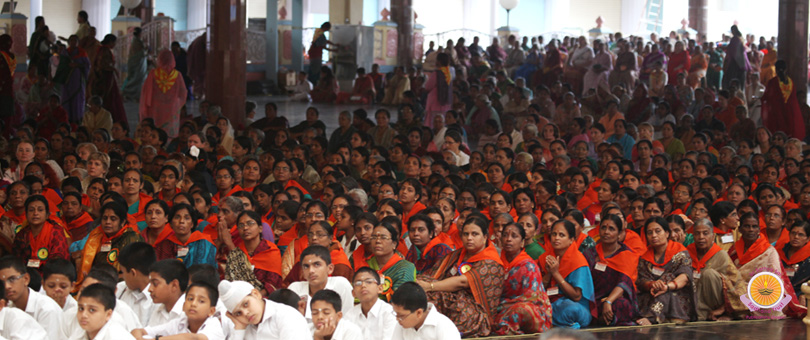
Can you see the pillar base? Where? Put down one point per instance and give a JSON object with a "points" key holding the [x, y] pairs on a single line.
{"points": [[504, 33]]}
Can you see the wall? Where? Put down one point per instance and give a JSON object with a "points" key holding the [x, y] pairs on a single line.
{"points": [[583, 14], [175, 9], [60, 15], [524, 17]]}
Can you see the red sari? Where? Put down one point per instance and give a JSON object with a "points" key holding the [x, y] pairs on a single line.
{"points": [[780, 109]]}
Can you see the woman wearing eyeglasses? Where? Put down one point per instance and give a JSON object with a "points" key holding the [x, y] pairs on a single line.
{"points": [[250, 258], [185, 244], [466, 286], [321, 233], [394, 270]]}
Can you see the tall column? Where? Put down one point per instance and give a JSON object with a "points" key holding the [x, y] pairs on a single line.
{"points": [[271, 38], [297, 35], [197, 14], [792, 39], [402, 14], [226, 62], [699, 17], [98, 14]]}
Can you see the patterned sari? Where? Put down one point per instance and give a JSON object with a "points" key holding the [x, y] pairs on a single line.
{"points": [[471, 308], [574, 268], [678, 304], [618, 270], [394, 273], [797, 267], [718, 283], [524, 307], [199, 249], [425, 259]]}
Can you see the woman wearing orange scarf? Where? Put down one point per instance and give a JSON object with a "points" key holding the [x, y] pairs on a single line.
{"points": [[751, 254], [320, 233], [466, 286], [614, 268], [718, 283], [250, 257], [183, 243], [427, 247], [796, 255], [106, 241], [567, 278], [41, 239], [524, 306], [664, 278]]}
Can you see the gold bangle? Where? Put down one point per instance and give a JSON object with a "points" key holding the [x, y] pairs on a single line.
{"points": [[431, 287]]}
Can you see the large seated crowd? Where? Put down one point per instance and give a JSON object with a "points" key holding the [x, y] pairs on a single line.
{"points": [[567, 184]]}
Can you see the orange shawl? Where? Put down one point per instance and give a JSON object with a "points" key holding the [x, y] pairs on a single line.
{"points": [[359, 258], [672, 249], [215, 199], [571, 260], [195, 236], [41, 241], [167, 230], [800, 255], [473, 277], [268, 260], [625, 262], [635, 242], [699, 264], [517, 260], [756, 249]]}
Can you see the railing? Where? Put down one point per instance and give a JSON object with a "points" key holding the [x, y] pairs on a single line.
{"points": [[441, 38], [158, 35], [255, 42], [186, 37]]}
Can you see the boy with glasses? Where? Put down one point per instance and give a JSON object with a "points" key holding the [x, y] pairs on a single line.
{"points": [[374, 316], [41, 307]]}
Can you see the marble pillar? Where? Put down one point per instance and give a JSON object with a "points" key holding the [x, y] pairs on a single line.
{"points": [[402, 14], [35, 10], [226, 62], [699, 17], [792, 39], [297, 37], [271, 37]]}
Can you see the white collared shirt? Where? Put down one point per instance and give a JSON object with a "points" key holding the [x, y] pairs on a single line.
{"points": [[122, 315], [435, 327], [278, 322], [46, 311], [160, 315], [18, 325], [211, 328], [140, 301], [378, 324], [347, 330], [110, 331], [70, 302], [338, 284]]}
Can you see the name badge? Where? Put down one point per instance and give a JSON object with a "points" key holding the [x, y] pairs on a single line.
{"points": [[33, 263], [553, 291], [728, 238], [696, 274], [600, 266], [789, 271], [658, 271], [106, 247], [182, 251], [453, 271]]}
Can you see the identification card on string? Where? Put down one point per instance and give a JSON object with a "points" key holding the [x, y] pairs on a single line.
{"points": [[553, 291], [658, 271], [789, 271], [728, 238], [33, 263], [106, 247], [182, 251], [696, 274], [600, 266]]}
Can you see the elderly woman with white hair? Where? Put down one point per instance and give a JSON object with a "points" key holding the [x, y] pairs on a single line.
{"points": [[719, 284]]}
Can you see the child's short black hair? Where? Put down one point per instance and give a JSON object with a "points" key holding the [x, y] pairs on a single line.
{"points": [[285, 296], [411, 297], [103, 277], [329, 296], [12, 262], [369, 271], [101, 293], [139, 256], [319, 251], [59, 266], [213, 293], [170, 270], [203, 272]]}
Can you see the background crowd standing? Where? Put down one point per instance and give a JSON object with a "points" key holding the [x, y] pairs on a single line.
{"points": [[566, 184]]}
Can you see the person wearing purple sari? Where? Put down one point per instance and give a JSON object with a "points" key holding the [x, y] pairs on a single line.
{"points": [[648, 64], [72, 73], [736, 64]]}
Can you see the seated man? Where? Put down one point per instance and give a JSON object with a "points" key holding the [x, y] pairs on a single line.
{"points": [[256, 318], [419, 319], [363, 91], [41, 307], [96, 304], [16, 324], [197, 322], [316, 266], [328, 318], [300, 92]]}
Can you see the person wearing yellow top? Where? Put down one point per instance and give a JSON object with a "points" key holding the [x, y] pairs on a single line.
{"points": [[96, 117]]}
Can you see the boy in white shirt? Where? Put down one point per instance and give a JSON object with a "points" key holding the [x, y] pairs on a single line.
{"points": [[418, 319], [374, 316], [96, 304], [256, 318], [167, 281], [58, 279], [198, 321], [44, 309], [316, 266], [16, 324], [135, 260], [101, 273], [328, 319]]}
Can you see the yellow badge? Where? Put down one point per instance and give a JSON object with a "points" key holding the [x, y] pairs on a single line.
{"points": [[387, 284], [112, 256], [42, 253], [465, 268]]}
